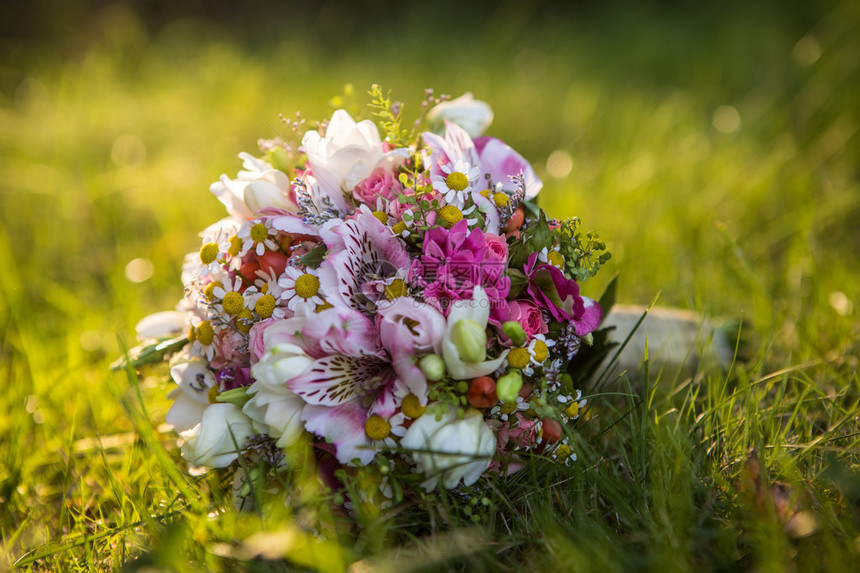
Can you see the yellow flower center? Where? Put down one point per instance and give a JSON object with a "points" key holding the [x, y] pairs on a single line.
{"points": [[192, 334], [501, 199], [259, 233], [207, 292], [519, 358], [412, 407], [397, 288], [233, 303], [377, 428], [205, 333], [382, 216], [265, 306], [399, 227], [213, 394], [486, 193], [562, 452], [324, 306], [244, 320], [208, 253], [541, 351], [450, 215], [457, 181], [307, 286], [508, 407], [555, 259], [235, 246], [572, 410]]}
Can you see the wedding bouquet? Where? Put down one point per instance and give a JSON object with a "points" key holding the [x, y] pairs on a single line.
{"points": [[393, 303]]}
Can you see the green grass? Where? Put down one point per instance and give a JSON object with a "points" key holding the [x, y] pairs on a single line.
{"points": [[112, 132]]}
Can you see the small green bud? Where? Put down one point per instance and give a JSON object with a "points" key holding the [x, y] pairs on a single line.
{"points": [[508, 386], [514, 331], [432, 366], [236, 396], [588, 339], [462, 387], [470, 338]]}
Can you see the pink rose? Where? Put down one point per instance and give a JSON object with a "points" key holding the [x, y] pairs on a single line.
{"points": [[227, 354], [255, 339], [497, 247], [529, 316], [379, 184]]}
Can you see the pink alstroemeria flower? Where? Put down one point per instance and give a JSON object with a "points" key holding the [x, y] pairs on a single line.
{"points": [[351, 377], [502, 163], [360, 250], [552, 291]]}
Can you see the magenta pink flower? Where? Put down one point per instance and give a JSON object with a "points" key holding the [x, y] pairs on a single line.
{"points": [[559, 295], [455, 261]]}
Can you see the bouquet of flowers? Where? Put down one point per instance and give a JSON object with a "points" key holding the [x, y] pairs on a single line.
{"points": [[393, 303]]}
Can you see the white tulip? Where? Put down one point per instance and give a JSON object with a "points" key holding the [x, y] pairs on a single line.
{"points": [[451, 448]]}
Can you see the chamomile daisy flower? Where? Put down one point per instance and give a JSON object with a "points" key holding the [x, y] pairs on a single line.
{"points": [[456, 185], [571, 406], [300, 289], [526, 358], [202, 334], [256, 235], [229, 296], [562, 452], [504, 410], [385, 434], [552, 257], [265, 295]]}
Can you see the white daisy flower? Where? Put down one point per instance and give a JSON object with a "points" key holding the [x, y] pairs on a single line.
{"points": [[202, 335], [210, 259], [229, 296], [396, 430], [457, 183], [256, 235], [562, 452], [504, 411], [552, 257], [571, 406], [300, 289]]}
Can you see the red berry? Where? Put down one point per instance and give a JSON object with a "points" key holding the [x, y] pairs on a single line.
{"points": [[272, 260], [482, 392], [551, 430]]}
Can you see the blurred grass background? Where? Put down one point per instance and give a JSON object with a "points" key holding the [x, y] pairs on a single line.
{"points": [[713, 145]]}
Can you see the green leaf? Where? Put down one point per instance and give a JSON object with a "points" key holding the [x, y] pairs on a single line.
{"points": [[519, 281], [314, 257], [607, 299]]}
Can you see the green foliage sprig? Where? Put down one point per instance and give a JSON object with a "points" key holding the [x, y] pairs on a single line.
{"points": [[584, 254], [390, 113]]}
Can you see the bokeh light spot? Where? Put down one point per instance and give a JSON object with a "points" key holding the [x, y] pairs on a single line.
{"points": [[559, 164], [139, 270], [726, 119]]}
